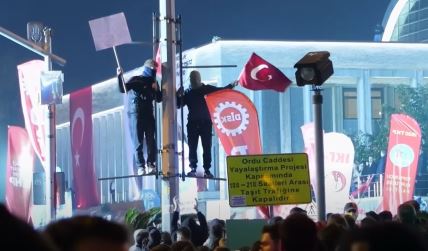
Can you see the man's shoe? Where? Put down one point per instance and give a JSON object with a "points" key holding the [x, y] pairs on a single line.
{"points": [[152, 168], [141, 170], [208, 174], [192, 173]]}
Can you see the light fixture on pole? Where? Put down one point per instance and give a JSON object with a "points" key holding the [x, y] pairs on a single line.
{"points": [[314, 69]]}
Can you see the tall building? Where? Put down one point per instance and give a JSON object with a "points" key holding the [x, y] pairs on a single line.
{"points": [[406, 21]]}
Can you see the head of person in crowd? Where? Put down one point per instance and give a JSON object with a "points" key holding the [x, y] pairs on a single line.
{"points": [[87, 233], [330, 236], [407, 214], [385, 216], [161, 247], [338, 220], [183, 234], [18, 235], [270, 240], [183, 246], [298, 233], [154, 238], [373, 214], [350, 221], [217, 230], [415, 205], [387, 236], [298, 210], [351, 208], [275, 220], [195, 79], [166, 238], [368, 221], [140, 239]]}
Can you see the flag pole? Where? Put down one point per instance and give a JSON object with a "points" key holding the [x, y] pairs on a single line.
{"points": [[118, 65], [180, 47]]}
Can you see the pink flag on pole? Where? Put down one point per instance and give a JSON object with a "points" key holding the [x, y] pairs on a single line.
{"points": [[19, 173]]}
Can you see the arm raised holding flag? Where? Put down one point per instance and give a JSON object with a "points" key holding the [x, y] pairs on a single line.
{"points": [[259, 74]]}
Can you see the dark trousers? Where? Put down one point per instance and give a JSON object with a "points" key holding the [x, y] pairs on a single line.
{"points": [[196, 129], [142, 126]]}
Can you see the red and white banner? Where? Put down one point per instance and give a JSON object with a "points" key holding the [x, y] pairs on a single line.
{"points": [[236, 122], [402, 160], [259, 74], [338, 163], [19, 173], [85, 184], [34, 113]]}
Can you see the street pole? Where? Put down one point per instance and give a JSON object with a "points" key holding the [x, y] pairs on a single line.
{"points": [[319, 153], [170, 182], [50, 168]]}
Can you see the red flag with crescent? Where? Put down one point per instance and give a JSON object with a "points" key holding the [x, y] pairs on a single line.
{"points": [[85, 185], [259, 74]]}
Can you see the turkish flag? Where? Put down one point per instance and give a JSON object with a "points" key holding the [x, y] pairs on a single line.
{"points": [[259, 74]]}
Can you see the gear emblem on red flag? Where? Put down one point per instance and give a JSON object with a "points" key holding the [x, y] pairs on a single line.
{"points": [[231, 118]]}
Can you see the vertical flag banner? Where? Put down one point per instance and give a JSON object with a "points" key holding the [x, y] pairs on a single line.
{"points": [[19, 173], [338, 163], [402, 160], [308, 133], [85, 184], [259, 74], [236, 122], [29, 85]]}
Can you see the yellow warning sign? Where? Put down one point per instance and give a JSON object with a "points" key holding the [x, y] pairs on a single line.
{"points": [[272, 179]]}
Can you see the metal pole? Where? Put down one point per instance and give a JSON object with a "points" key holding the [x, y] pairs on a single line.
{"points": [[180, 44], [319, 156], [155, 50], [50, 167], [170, 186]]}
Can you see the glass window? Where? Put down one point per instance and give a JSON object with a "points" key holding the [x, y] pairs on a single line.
{"points": [[350, 103], [377, 101]]}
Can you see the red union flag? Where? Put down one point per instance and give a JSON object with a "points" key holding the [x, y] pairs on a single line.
{"points": [[29, 85], [19, 173], [235, 121], [402, 160], [85, 185], [259, 74]]}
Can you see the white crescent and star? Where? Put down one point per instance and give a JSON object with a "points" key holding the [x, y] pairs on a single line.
{"points": [[78, 115], [258, 68]]}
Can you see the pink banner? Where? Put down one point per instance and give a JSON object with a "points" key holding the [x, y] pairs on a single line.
{"points": [[19, 173], [34, 113], [402, 160], [338, 163], [85, 184]]}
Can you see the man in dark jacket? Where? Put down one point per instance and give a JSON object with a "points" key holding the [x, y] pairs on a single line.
{"points": [[141, 91], [198, 120]]}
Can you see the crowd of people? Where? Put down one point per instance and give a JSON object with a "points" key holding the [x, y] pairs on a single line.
{"points": [[408, 230]]}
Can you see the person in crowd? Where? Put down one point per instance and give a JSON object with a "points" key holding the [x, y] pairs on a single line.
{"points": [[154, 238], [166, 238], [385, 216], [18, 235], [87, 233], [183, 246], [198, 231], [140, 237], [183, 234], [407, 214], [161, 247], [141, 91], [216, 233], [270, 239], [298, 233], [298, 210], [351, 208], [199, 123]]}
